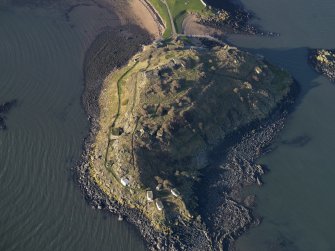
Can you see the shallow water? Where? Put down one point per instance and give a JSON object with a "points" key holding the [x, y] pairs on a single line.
{"points": [[296, 201], [41, 57]]}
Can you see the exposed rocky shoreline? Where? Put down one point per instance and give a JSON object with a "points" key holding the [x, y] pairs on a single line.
{"points": [[119, 45], [223, 208], [224, 211], [233, 167], [95, 72], [323, 61], [234, 18]]}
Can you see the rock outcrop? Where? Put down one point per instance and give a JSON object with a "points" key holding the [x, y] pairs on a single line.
{"points": [[162, 116], [323, 62]]}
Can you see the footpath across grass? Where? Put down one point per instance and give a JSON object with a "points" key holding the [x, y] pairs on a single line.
{"points": [[163, 12], [179, 9]]}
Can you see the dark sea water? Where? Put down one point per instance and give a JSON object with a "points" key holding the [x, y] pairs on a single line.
{"points": [[41, 58], [297, 201]]}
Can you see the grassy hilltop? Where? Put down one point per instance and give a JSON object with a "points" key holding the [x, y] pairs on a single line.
{"points": [[162, 114]]}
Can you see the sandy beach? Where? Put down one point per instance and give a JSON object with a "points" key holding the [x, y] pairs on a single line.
{"points": [[144, 17], [191, 26]]}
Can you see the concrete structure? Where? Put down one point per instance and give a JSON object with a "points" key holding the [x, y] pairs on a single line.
{"points": [[159, 205], [175, 192], [159, 187], [150, 196], [125, 181], [258, 70], [203, 3]]}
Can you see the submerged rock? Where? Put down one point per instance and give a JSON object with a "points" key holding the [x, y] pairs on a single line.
{"points": [[4, 110]]}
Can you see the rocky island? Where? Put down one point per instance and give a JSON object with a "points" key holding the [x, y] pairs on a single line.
{"points": [[176, 132], [323, 61], [162, 115]]}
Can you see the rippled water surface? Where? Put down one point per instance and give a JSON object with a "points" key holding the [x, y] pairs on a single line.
{"points": [[41, 56]]}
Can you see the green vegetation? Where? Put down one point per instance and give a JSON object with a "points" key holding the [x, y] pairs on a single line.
{"points": [[178, 9], [163, 113], [163, 12]]}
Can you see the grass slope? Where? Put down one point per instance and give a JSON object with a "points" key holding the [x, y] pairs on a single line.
{"points": [[163, 112], [179, 9]]}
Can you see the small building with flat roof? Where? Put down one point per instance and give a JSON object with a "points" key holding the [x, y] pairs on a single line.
{"points": [[175, 192], [159, 187], [150, 196], [258, 70], [124, 181], [159, 205]]}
